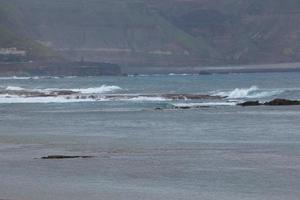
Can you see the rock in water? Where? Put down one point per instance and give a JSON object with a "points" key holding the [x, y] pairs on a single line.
{"points": [[52, 157], [250, 103], [282, 102]]}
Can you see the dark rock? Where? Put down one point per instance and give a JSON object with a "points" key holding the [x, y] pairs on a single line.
{"points": [[63, 92], [282, 102], [183, 107], [56, 157], [92, 97], [190, 107], [250, 103]]}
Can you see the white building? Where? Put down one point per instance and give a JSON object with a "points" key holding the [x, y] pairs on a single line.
{"points": [[12, 51]]}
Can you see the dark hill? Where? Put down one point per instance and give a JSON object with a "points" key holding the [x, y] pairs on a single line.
{"points": [[152, 33]]}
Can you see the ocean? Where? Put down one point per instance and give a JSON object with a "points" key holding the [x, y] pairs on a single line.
{"points": [[144, 147]]}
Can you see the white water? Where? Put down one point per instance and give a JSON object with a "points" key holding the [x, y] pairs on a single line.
{"points": [[142, 98], [93, 90], [14, 88], [12, 99], [97, 90], [252, 92]]}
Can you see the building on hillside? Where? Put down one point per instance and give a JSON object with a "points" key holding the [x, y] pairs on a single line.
{"points": [[12, 51]]}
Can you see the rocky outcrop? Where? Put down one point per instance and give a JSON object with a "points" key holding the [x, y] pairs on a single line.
{"points": [[275, 102], [250, 103], [282, 102]]}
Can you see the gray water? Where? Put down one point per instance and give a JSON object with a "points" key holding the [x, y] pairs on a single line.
{"points": [[222, 152]]}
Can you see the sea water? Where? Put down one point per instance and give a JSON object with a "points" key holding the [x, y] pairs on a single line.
{"points": [[144, 148]]}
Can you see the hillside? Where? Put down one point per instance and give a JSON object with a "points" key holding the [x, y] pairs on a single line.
{"points": [[12, 35], [243, 31], [126, 32], [152, 33]]}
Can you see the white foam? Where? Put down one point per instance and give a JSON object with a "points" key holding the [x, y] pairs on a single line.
{"points": [[94, 90], [252, 92], [14, 88], [10, 99], [143, 98], [174, 74]]}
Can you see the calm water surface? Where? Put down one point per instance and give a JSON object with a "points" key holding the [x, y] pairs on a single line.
{"points": [[220, 152]]}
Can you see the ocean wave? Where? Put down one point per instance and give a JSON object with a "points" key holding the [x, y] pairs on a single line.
{"points": [[252, 92], [13, 99], [98, 90], [143, 98], [14, 88], [20, 96], [93, 90]]}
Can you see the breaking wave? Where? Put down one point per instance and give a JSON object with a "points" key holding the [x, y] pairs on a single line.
{"points": [[16, 94], [94, 90], [143, 98], [14, 88], [12, 99], [252, 92], [98, 90]]}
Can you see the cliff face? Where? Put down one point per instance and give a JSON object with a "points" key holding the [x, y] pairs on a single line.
{"points": [[146, 33]]}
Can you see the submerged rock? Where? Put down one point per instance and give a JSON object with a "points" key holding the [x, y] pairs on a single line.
{"points": [[55, 157], [183, 107], [282, 102], [250, 103], [190, 107]]}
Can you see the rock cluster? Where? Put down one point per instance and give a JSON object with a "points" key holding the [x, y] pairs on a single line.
{"points": [[275, 102]]}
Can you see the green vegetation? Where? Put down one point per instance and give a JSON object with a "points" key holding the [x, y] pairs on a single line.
{"points": [[12, 35]]}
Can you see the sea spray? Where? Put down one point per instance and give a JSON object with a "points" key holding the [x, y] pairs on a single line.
{"points": [[252, 92]]}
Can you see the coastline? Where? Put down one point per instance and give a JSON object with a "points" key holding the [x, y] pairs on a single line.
{"points": [[260, 68], [70, 68], [56, 68]]}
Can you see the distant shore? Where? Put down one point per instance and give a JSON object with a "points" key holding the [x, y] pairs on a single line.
{"points": [[66, 68], [63, 68], [281, 67]]}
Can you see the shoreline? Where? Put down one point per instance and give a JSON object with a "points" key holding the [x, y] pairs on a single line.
{"points": [[206, 70], [29, 69]]}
